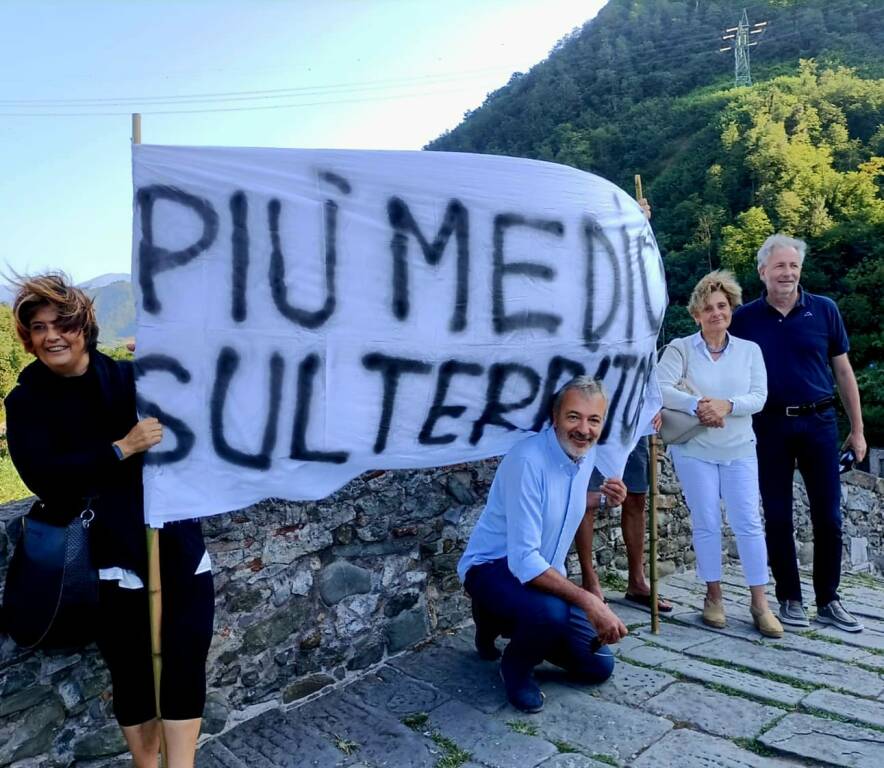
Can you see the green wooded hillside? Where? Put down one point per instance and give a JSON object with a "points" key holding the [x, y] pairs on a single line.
{"points": [[643, 89]]}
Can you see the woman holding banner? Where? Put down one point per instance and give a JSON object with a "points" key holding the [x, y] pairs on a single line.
{"points": [[77, 443], [719, 462]]}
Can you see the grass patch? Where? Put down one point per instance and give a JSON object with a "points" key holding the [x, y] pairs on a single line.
{"points": [[613, 581], [754, 745], [863, 580], [606, 759], [345, 745], [11, 486], [452, 755], [523, 727], [812, 634], [416, 721], [563, 746]]}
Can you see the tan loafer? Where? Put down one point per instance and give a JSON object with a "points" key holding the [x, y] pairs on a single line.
{"points": [[713, 614], [766, 623]]}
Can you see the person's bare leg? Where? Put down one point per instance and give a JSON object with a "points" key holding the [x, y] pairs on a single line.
{"points": [[632, 523], [713, 591], [181, 736], [759, 598], [143, 741], [583, 541]]}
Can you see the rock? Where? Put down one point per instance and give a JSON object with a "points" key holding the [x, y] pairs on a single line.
{"points": [[267, 633], [859, 550], [368, 652], [805, 553], [406, 629], [460, 491], [305, 686], [102, 742], [401, 602], [31, 735], [25, 699], [215, 713]]}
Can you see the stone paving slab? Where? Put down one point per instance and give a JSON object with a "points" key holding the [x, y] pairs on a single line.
{"points": [[713, 712], [490, 741], [688, 749], [865, 639], [650, 655], [573, 760], [850, 707], [630, 684], [397, 693], [629, 613], [799, 666], [459, 673], [830, 741], [862, 594], [632, 640], [750, 685], [598, 727], [677, 637], [377, 738], [271, 740]]}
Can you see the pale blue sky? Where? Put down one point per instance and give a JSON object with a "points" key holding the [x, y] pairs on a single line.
{"points": [[389, 74]]}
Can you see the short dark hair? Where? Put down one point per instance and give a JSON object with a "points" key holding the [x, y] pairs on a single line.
{"points": [[76, 311], [586, 385]]}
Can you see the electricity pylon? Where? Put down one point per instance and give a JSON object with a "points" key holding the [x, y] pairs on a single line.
{"points": [[740, 35]]}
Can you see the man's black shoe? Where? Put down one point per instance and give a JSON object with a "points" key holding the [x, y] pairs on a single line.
{"points": [[521, 690]]}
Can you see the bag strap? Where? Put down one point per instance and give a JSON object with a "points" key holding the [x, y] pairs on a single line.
{"points": [[684, 358]]}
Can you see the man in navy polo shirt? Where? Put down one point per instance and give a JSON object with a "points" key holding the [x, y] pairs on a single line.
{"points": [[803, 341]]}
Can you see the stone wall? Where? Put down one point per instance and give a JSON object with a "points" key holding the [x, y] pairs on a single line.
{"points": [[310, 594]]}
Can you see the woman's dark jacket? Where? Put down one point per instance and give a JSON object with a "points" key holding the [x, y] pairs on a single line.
{"points": [[60, 432]]}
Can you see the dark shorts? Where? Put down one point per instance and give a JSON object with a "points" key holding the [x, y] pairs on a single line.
{"points": [[124, 641], [635, 475]]}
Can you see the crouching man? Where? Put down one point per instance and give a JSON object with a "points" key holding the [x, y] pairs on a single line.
{"points": [[514, 564]]}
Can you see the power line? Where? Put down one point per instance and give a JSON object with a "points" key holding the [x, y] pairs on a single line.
{"points": [[254, 94]]}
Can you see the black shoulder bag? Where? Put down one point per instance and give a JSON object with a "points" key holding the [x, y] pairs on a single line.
{"points": [[51, 595]]}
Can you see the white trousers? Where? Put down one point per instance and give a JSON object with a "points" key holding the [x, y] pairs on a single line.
{"points": [[736, 483]]}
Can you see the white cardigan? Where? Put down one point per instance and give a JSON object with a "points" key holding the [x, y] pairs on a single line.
{"points": [[738, 375]]}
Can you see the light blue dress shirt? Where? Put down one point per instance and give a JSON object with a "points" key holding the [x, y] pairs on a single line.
{"points": [[535, 505]]}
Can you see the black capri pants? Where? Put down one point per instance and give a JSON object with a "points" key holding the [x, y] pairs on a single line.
{"points": [[124, 641]]}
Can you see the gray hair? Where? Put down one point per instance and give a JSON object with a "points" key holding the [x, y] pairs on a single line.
{"points": [[781, 241], [586, 385]]}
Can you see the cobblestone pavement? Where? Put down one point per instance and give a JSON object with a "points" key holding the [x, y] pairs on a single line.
{"points": [[689, 696]]}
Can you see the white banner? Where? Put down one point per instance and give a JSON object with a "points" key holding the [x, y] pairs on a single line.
{"points": [[307, 315]]}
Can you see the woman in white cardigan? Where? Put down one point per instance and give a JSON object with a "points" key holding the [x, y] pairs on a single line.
{"points": [[719, 462]]}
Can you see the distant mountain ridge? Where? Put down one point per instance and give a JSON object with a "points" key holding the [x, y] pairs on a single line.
{"points": [[114, 305]]}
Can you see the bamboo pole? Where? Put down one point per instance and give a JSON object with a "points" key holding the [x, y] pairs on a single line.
{"points": [[652, 497], [154, 582], [652, 533]]}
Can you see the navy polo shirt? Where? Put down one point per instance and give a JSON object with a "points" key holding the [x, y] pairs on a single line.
{"points": [[797, 348]]}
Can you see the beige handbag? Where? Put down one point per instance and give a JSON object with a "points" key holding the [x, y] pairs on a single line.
{"points": [[678, 426]]}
